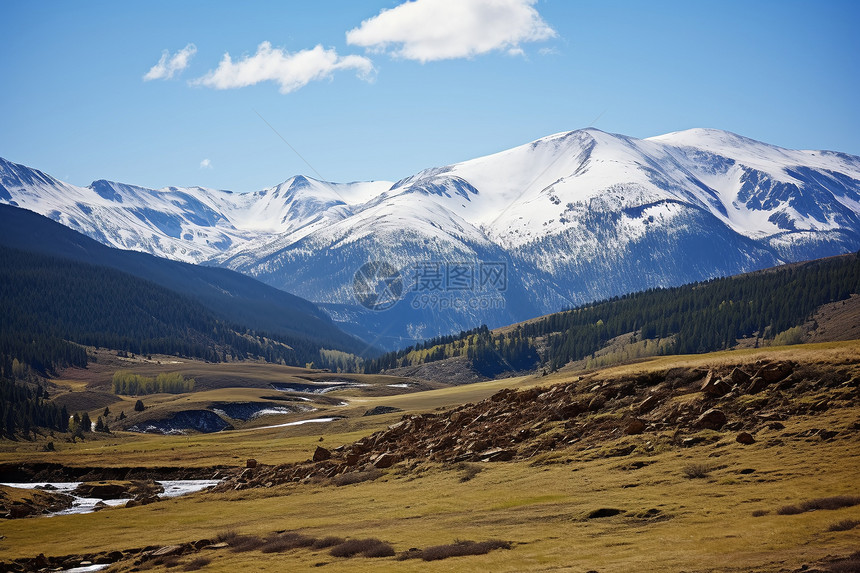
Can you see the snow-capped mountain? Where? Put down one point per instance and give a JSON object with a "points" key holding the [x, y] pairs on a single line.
{"points": [[563, 220]]}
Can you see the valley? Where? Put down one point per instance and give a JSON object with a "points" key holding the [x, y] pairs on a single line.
{"points": [[581, 488]]}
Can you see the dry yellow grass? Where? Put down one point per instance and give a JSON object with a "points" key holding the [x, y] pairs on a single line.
{"points": [[708, 523], [668, 521]]}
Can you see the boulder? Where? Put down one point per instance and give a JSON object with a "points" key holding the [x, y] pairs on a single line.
{"points": [[712, 419], [251, 463], [321, 454], [757, 385], [739, 377], [714, 386], [166, 551], [635, 426], [384, 460], [103, 490], [745, 438], [774, 372]]}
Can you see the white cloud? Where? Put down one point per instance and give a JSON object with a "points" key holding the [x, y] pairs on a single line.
{"points": [[206, 164], [427, 30], [168, 65], [290, 71]]}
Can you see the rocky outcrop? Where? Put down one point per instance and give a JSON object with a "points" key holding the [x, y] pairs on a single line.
{"points": [[119, 489], [16, 503], [520, 425]]}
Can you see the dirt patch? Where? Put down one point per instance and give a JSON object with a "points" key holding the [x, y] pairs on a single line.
{"points": [[835, 321]]}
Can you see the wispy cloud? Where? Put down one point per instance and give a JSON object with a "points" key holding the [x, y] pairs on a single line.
{"points": [[206, 164], [426, 30], [168, 66], [290, 71]]}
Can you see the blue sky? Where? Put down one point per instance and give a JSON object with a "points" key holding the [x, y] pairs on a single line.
{"points": [[385, 95]]}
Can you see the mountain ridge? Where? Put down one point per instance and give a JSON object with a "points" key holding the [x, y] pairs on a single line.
{"points": [[574, 216]]}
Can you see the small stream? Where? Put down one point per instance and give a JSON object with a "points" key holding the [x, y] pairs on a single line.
{"points": [[316, 387], [172, 488]]}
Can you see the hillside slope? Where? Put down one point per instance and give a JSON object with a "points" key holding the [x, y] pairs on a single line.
{"points": [[232, 296]]}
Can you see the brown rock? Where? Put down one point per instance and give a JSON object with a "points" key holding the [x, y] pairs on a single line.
{"points": [[102, 490], [596, 403], [774, 372], [757, 385], [739, 377], [712, 419], [148, 499], [636, 426], [497, 455], [384, 460], [251, 463], [648, 404], [352, 459], [321, 454], [745, 438], [166, 551], [714, 386]]}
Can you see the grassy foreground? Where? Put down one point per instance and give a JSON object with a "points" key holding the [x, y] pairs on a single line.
{"points": [[710, 507]]}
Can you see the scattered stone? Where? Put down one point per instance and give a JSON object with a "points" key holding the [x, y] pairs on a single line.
{"points": [[166, 551], [251, 463], [648, 404], [774, 372], [714, 386], [757, 385], [745, 438], [497, 455], [739, 377], [321, 454], [384, 460], [636, 426], [712, 419], [596, 403]]}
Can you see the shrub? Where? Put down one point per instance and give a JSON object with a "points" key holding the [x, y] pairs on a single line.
{"points": [[696, 471], [834, 502], [327, 542], [286, 541], [469, 471], [244, 543], [368, 547], [462, 548], [197, 563], [227, 536], [844, 525]]}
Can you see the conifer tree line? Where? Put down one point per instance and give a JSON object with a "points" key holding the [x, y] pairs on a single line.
{"points": [[696, 318], [52, 308], [23, 409]]}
